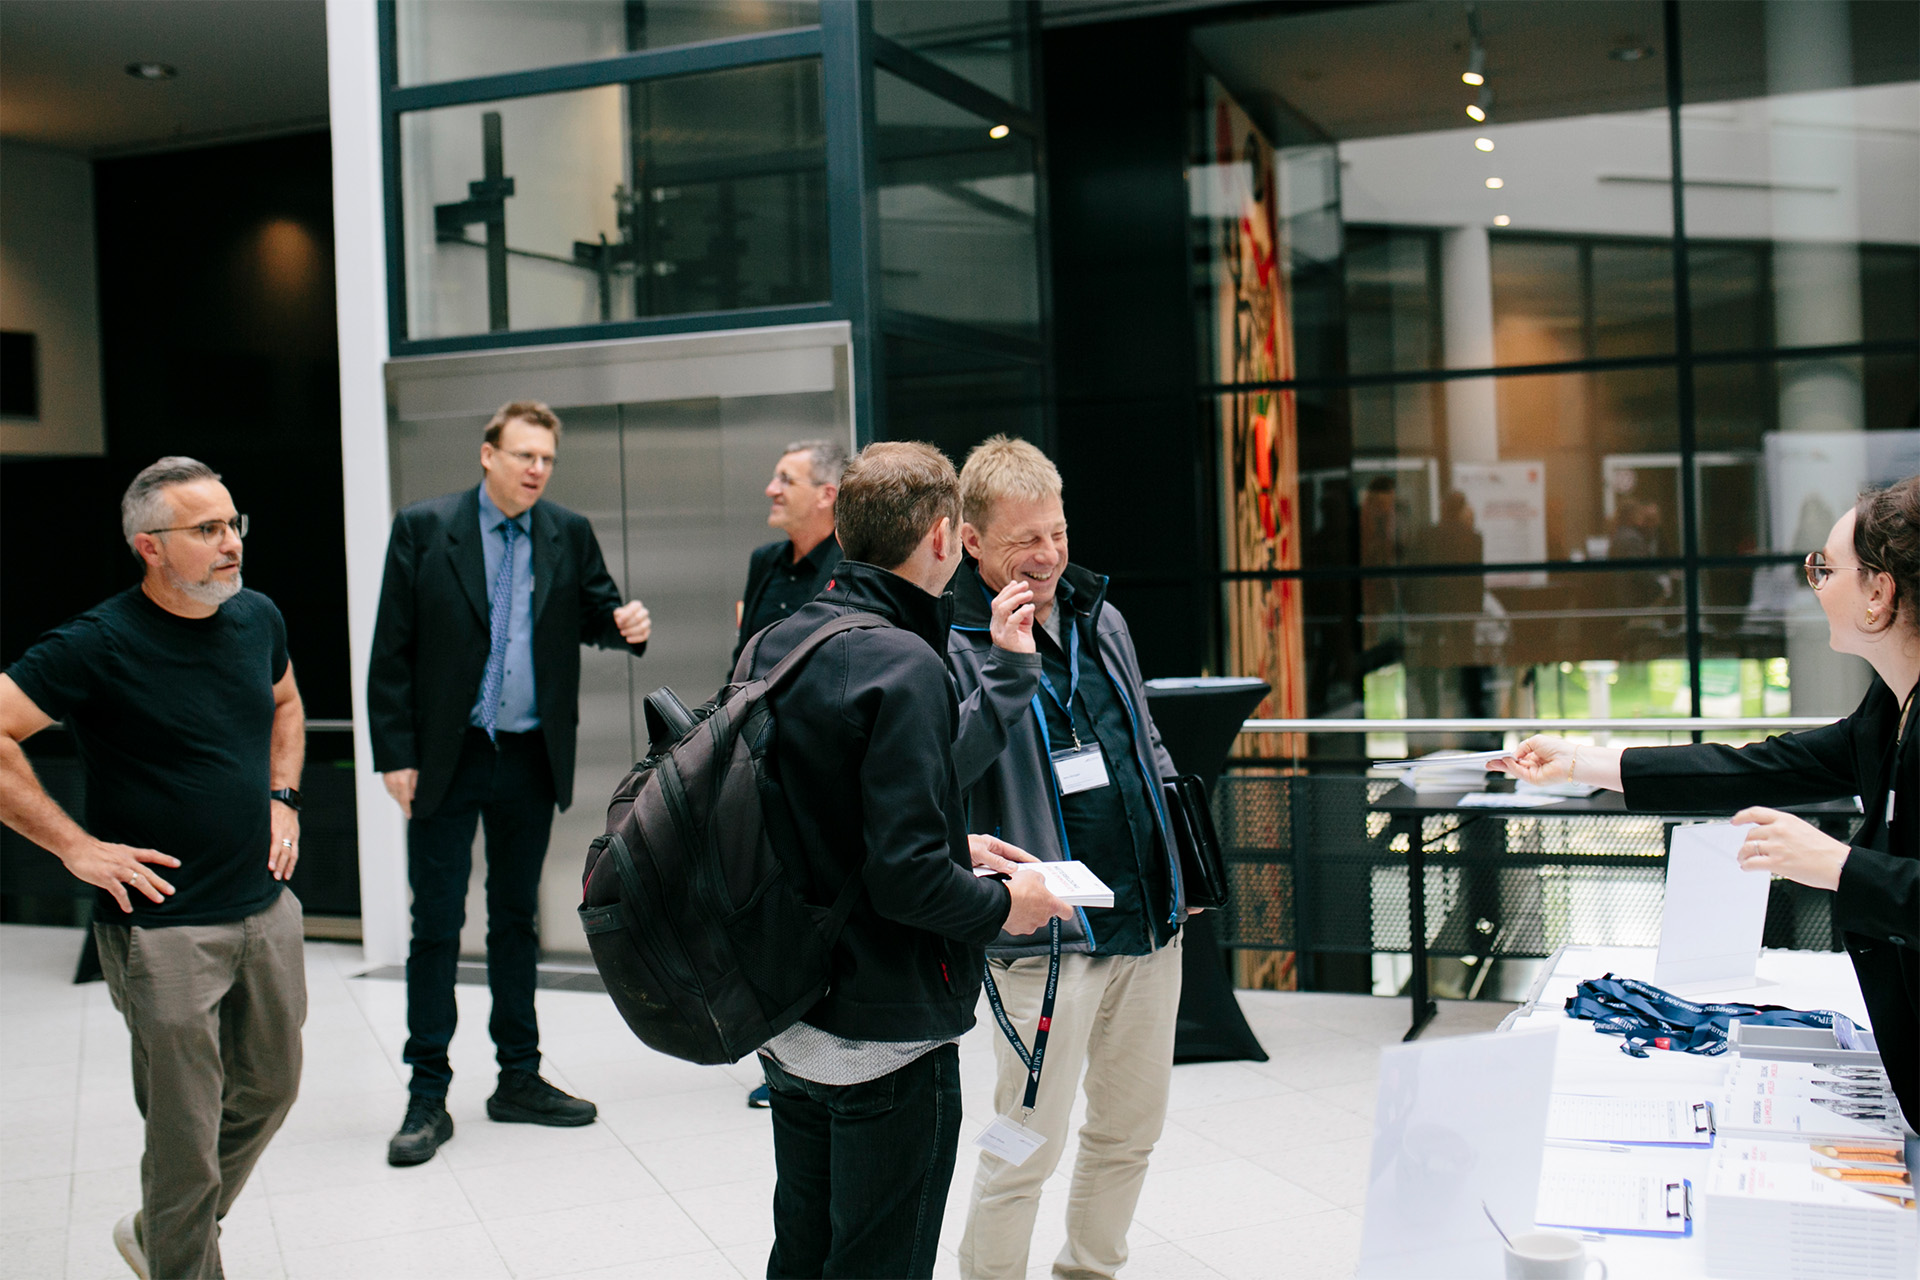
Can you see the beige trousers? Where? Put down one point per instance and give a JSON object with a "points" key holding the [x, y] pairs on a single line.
{"points": [[1114, 1017], [215, 1011]]}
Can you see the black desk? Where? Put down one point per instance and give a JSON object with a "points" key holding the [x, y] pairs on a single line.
{"points": [[1198, 719], [1406, 809]]}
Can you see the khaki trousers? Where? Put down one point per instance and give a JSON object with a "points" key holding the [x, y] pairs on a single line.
{"points": [[1114, 1016], [215, 1013]]}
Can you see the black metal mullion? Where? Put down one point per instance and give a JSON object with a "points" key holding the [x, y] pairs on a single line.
{"points": [[1683, 357], [643, 327], [853, 208], [387, 23], [1754, 355], [1042, 230], [942, 83], [962, 337], [626, 68]]}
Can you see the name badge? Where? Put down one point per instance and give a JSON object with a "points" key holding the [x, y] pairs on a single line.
{"points": [[1010, 1140], [1079, 769]]}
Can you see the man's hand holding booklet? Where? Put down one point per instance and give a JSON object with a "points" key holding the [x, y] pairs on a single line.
{"points": [[1072, 882]]}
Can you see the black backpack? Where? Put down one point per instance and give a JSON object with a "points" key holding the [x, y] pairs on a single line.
{"points": [[696, 924]]}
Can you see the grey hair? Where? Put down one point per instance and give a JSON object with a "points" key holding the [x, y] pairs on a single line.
{"points": [[828, 458], [144, 506]]}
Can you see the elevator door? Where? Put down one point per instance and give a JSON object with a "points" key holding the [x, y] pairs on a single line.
{"points": [[674, 490]]}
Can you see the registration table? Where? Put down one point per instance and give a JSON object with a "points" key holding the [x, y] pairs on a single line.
{"points": [[1587, 1061]]}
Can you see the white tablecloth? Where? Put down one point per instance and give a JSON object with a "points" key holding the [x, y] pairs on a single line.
{"points": [[1589, 1062]]}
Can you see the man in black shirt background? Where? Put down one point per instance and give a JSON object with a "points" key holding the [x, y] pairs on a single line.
{"points": [[785, 574], [181, 697]]}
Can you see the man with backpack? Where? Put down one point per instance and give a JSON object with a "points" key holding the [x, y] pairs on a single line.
{"points": [[866, 1089]]}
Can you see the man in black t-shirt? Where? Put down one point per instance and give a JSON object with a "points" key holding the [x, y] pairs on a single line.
{"points": [[181, 698]]}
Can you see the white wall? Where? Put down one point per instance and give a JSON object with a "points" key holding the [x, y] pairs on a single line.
{"points": [[49, 287], [360, 266]]}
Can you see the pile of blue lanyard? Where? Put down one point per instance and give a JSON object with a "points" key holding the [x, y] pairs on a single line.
{"points": [[1651, 1018]]}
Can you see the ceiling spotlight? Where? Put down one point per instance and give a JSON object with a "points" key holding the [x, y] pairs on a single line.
{"points": [[1630, 52], [1476, 72], [1501, 219], [998, 132], [1494, 184], [1483, 144], [151, 71], [1475, 113]]}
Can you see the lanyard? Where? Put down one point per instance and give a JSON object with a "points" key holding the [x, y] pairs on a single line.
{"points": [[1645, 1015], [1073, 677], [1032, 1061]]}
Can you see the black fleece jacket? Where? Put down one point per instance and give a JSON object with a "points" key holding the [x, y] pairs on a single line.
{"points": [[863, 758]]}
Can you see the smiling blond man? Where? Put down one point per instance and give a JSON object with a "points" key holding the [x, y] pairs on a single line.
{"points": [[1063, 760]]}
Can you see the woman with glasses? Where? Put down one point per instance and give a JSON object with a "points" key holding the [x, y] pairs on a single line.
{"points": [[1867, 578]]}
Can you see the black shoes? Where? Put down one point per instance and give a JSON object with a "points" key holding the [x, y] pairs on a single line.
{"points": [[426, 1127], [524, 1098]]}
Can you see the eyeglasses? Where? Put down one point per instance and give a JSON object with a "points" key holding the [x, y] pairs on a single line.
{"points": [[531, 460], [1818, 570], [212, 532]]}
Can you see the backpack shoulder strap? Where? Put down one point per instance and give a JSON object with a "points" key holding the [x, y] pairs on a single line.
{"points": [[857, 621]]}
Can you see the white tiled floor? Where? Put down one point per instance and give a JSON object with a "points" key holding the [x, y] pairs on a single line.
{"points": [[1260, 1173]]}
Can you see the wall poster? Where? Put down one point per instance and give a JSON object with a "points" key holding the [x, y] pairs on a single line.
{"points": [[1253, 342]]}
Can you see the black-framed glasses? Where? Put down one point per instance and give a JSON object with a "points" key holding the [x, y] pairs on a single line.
{"points": [[1818, 570], [212, 532]]}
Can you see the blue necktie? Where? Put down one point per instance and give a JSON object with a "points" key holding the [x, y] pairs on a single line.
{"points": [[500, 615]]}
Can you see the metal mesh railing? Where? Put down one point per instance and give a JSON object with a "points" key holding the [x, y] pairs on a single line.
{"points": [[1315, 869]]}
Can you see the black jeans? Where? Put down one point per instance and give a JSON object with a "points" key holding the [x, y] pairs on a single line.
{"points": [[863, 1169], [509, 787]]}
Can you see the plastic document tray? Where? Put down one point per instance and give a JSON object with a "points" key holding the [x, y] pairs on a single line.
{"points": [[1801, 1044]]}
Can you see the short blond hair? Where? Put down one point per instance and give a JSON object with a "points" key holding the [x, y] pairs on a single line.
{"points": [[1004, 467]]}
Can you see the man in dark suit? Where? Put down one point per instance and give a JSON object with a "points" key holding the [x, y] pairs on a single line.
{"points": [[472, 697], [785, 574]]}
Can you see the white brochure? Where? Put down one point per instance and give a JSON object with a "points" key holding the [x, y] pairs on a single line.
{"points": [[1710, 931]]}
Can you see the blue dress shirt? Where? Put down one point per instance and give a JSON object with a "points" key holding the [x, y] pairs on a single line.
{"points": [[519, 713]]}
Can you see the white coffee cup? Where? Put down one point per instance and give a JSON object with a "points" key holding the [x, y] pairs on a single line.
{"points": [[1549, 1255]]}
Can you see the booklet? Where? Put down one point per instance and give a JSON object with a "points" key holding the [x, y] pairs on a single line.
{"points": [[1071, 882]]}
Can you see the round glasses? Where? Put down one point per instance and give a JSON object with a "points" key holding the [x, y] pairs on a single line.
{"points": [[212, 532], [1818, 570]]}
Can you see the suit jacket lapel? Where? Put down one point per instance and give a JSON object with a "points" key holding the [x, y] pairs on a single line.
{"points": [[546, 555], [468, 556]]}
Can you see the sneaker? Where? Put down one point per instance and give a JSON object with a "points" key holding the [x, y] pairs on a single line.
{"points": [[760, 1097], [524, 1098], [421, 1134], [126, 1238]]}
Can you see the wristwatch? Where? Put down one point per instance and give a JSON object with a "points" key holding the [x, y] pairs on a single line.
{"points": [[286, 796]]}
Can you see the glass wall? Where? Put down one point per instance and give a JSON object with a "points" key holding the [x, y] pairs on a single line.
{"points": [[457, 39], [1493, 440], [691, 194]]}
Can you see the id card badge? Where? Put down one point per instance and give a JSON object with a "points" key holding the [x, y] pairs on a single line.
{"points": [[1080, 769], [1010, 1140]]}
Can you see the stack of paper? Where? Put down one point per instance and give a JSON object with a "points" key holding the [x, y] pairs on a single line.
{"points": [[1071, 882], [1771, 1099], [1680, 1122], [1596, 1189], [1781, 1209], [1445, 770]]}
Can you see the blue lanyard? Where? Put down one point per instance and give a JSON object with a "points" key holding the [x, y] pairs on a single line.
{"points": [[1073, 676], [1031, 1061]]}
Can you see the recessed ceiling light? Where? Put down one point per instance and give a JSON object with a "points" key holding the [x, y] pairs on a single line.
{"points": [[998, 132], [1494, 184], [1501, 219], [1630, 52], [1474, 111], [1476, 72], [151, 71], [1483, 144]]}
